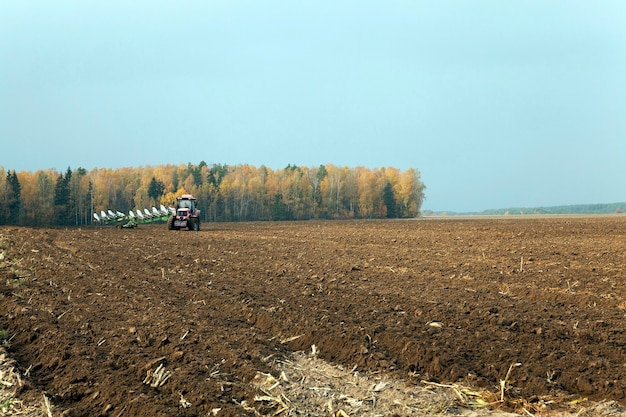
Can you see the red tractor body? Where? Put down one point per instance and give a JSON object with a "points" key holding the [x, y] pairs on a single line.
{"points": [[187, 216]]}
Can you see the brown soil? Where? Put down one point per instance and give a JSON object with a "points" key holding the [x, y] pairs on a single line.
{"points": [[93, 313]]}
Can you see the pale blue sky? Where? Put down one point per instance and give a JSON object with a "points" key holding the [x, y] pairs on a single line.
{"points": [[497, 103]]}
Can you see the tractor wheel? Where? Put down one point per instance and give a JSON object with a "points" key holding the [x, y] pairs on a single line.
{"points": [[170, 223], [194, 224]]}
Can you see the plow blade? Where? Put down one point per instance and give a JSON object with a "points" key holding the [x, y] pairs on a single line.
{"points": [[132, 219]]}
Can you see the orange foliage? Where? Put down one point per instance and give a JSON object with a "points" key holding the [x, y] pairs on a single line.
{"points": [[226, 193]]}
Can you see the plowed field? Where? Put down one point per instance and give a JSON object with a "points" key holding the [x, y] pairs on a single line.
{"points": [[147, 321]]}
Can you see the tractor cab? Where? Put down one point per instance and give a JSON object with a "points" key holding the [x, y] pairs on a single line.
{"points": [[187, 201]]}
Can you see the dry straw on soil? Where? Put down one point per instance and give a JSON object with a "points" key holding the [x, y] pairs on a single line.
{"points": [[11, 386], [305, 385], [309, 386]]}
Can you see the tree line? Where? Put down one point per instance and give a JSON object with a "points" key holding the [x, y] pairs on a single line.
{"points": [[224, 193]]}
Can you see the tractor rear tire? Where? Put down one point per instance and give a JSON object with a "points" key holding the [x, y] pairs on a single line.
{"points": [[170, 223], [194, 224]]}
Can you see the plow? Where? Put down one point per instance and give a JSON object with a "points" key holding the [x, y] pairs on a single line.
{"points": [[184, 216], [133, 219]]}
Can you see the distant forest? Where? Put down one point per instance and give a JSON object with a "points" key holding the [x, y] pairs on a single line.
{"points": [[571, 209], [224, 193]]}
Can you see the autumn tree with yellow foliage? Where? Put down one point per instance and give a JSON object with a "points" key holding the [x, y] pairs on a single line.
{"points": [[224, 193]]}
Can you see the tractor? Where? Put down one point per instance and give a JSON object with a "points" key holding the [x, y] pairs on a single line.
{"points": [[186, 215]]}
